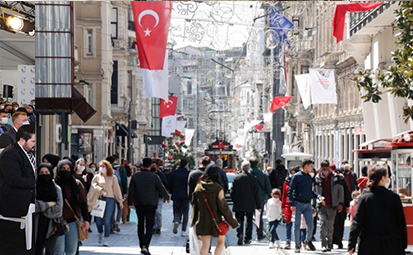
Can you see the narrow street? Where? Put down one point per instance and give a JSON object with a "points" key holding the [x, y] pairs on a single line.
{"points": [[126, 241]]}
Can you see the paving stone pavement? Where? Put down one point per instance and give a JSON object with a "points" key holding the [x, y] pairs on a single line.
{"points": [[126, 241]]}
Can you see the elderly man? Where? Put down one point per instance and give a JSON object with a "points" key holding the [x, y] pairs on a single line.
{"points": [[223, 176], [246, 198]]}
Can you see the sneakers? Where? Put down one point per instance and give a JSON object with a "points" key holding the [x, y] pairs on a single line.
{"points": [[184, 234], [105, 242], [271, 245], [287, 245], [278, 242], [310, 245], [100, 238], [324, 249], [175, 229], [297, 250]]}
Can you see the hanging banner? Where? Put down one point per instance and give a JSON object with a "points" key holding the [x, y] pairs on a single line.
{"points": [[25, 84], [180, 126], [323, 86], [303, 84], [168, 107], [168, 125], [156, 82], [189, 133]]}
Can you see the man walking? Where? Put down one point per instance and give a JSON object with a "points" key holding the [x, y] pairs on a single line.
{"points": [[300, 194], [178, 183], [155, 168], [326, 184], [194, 176], [278, 175], [264, 189], [17, 189], [246, 199], [143, 196]]}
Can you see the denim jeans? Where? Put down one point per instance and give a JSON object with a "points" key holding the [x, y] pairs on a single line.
{"points": [[106, 220], [303, 234], [307, 210], [273, 230], [158, 215], [67, 244], [181, 209], [288, 228]]}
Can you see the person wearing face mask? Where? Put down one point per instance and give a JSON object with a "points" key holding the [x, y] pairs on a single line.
{"points": [[74, 198], [4, 122], [19, 119], [326, 184], [49, 206], [379, 226], [107, 186], [17, 189], [246, 198], [80, 166], [274, 212], [144, 191]]}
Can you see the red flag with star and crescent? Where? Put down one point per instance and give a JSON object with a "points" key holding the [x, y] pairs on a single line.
{"points": [[168, 108], [278, 102], [152, 19]]}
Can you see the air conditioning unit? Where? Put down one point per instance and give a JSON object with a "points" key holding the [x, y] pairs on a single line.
{"points": [[58, 134]]}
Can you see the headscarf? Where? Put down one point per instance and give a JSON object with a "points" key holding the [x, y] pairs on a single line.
{"points": [[74, 189], [45, 190], [52, 158]]}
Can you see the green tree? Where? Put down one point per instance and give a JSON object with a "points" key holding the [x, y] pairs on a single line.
{"points": [[398, 78]]}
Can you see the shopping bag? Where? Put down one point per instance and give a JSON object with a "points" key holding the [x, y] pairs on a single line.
{"points": [[194, 243], [99, 209], [132, 216]]}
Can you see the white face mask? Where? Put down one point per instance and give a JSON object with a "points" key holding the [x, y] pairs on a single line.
{"points": [[80, 167], [102, 170], [26, 123], [312, 174], [276, 199], [4, 121], [387, 184]]}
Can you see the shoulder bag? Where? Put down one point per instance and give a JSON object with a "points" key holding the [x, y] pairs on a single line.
{"points": [[223, 227], [60, 227], [82, 231]]}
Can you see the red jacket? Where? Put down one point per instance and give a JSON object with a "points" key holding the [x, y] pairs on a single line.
{"points": [[285, 203]]}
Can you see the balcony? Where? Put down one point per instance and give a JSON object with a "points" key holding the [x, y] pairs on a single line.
{"points": [[359, 20]]}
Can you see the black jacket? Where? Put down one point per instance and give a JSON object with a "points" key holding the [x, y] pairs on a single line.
{"points": [[244, 193], [178, 183], [17, 182], [7, 138], [193, 179], [278, 176], [144, 189], [379, 223], [353, 181], [223, 180]]}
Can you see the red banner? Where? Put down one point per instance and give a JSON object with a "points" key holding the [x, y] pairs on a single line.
{"points": [[340, 15], [278, 102], [152, 19], [168, 108]]}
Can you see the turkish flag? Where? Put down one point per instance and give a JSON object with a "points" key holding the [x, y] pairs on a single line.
{"points": [[258, 127], [152, 19], [168, 108], [278, 102], [340, 15]]}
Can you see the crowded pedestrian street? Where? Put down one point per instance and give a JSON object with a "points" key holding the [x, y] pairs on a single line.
{"points": [[125, 242]]}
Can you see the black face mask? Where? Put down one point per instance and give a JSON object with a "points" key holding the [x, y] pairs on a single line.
{"points": [[45, 178], [65, 175], [153, 169]]}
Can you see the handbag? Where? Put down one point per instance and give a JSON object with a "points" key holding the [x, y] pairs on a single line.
{"points": [[222, 227], [60, 227], [99, 209], [83, 233]]}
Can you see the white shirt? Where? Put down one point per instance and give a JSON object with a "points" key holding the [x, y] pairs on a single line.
{"points": [[273, 209]]}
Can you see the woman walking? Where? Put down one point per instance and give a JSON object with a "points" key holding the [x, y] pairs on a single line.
{"points": [[379, 222], [49, 203], [107, 186], [210, 188], [74, 205]]}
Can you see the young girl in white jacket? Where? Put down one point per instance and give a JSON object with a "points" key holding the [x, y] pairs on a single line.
{"points": [[274, 216]]}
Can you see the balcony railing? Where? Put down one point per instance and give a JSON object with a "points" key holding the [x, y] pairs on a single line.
{"points": [[359, 20]]}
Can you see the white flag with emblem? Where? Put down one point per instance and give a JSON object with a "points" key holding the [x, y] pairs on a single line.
{"points": [[323, 86], [168, 125], [303, 84], [155, 82]]}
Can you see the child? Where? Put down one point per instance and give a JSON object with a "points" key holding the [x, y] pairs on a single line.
{"points": [[274, 216], [303, 229], [353, 204]]}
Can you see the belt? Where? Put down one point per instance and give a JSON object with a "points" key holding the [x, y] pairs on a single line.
{"points": [[302, 201]]}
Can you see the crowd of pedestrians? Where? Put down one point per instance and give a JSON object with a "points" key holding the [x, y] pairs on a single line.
{"points": [[67, 193]]}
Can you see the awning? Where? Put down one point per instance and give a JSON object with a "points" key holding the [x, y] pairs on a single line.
{"points": [[122, 130]]}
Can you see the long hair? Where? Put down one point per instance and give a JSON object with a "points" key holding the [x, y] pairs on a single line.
{"points": [[211, 174], [376, 174], [108, 166]]}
